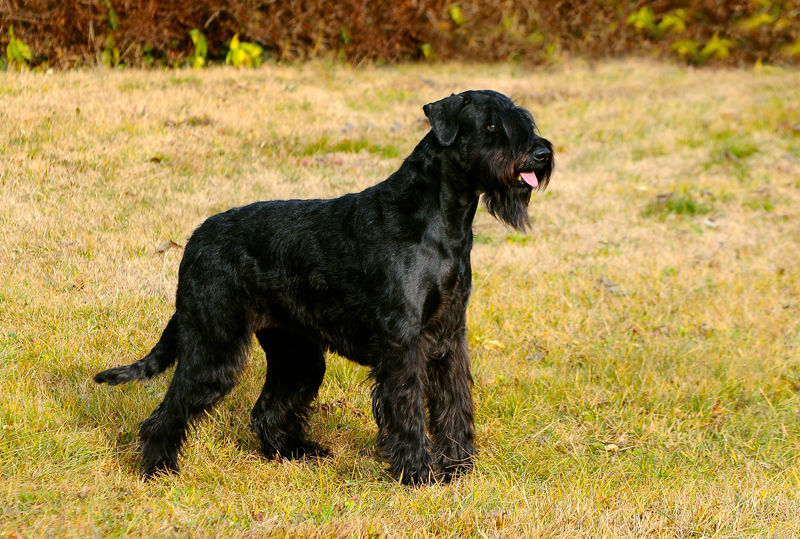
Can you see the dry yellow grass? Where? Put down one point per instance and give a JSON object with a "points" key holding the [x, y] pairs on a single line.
{"points": [[636, 359]]}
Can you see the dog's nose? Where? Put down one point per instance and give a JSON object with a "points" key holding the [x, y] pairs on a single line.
{"points": [[540, 154]]}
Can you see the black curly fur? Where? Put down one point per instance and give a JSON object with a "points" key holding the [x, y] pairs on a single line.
{"points": [[381, 277]]}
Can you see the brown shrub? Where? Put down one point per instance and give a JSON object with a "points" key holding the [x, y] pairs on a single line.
{"points": [[70, 32]]}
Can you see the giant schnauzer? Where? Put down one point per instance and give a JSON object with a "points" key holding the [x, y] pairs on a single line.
{"points": [[381, 277]]}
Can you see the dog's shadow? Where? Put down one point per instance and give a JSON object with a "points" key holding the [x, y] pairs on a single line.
{"points": [[102, 415], [115, 413], [342, 425]]}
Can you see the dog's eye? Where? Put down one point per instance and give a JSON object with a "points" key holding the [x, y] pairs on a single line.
{"points": [[492, 128]]}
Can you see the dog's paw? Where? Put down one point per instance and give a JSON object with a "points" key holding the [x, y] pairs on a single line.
{"points": [[451, 473], [417, 478], [152, 470], [414, 473], [459, 463], [309, 450]]}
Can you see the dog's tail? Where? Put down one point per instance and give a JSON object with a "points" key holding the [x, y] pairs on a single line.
{"points": [[160, 358]]}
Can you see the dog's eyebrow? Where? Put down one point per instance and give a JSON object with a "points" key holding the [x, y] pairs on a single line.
{"points": [[510, 120]]}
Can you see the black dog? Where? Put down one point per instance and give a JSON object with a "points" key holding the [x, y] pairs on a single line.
{"points": [[382, 277]]}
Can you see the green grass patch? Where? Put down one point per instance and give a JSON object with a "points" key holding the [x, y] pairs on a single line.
{"points": [[652, 150], [183, 81], [133, 85], [375, 100], [323, 145], [737, 148], [760, 203], [682, 204]]}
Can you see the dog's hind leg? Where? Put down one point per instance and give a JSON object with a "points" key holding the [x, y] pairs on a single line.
{"points": [[208, 368], [449, 398], [295, 369]]}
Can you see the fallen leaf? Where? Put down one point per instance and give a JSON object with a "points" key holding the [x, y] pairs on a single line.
{"points": [[717, 411], [169, 244], [494, 344], [499, 517], [80, 280]]}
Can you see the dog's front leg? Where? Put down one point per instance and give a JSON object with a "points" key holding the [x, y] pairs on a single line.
{"points": [[399, 409], [449, 398]]}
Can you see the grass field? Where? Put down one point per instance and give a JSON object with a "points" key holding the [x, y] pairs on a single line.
{"points": [[636, 359]]}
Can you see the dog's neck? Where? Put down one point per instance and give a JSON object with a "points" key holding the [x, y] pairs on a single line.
{"points": [[429, 178]]}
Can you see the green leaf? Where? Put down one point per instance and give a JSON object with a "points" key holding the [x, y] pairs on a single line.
{"points": [[242, 53], [427, 50], [108, 51], [457, 15], [17, 52], [755, 21], [642, 20], [239, 57], [719, 48], [672, 23], [232, 57], [793, 49], [200, 48], [252, 50], [113, 18], [684, 47]]}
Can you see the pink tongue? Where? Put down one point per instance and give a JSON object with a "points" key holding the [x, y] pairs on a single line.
{"points": [[530, 178]]}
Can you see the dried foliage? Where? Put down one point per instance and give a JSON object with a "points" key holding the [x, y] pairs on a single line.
{"points": [[136, 32]]}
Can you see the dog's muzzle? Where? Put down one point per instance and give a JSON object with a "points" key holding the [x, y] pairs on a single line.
{"points": [[540, 157]]}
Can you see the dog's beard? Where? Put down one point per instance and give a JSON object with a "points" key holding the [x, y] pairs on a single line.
{"points": [[505, 194], [510, 205]]}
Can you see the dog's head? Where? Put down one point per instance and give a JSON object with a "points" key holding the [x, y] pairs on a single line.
{"points": [[498, 146]]}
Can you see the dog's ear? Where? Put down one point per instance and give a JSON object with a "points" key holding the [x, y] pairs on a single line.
{"points": [[443, 116]]}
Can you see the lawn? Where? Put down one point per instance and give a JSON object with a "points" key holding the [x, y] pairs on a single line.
{"points": [[636, 358]]}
